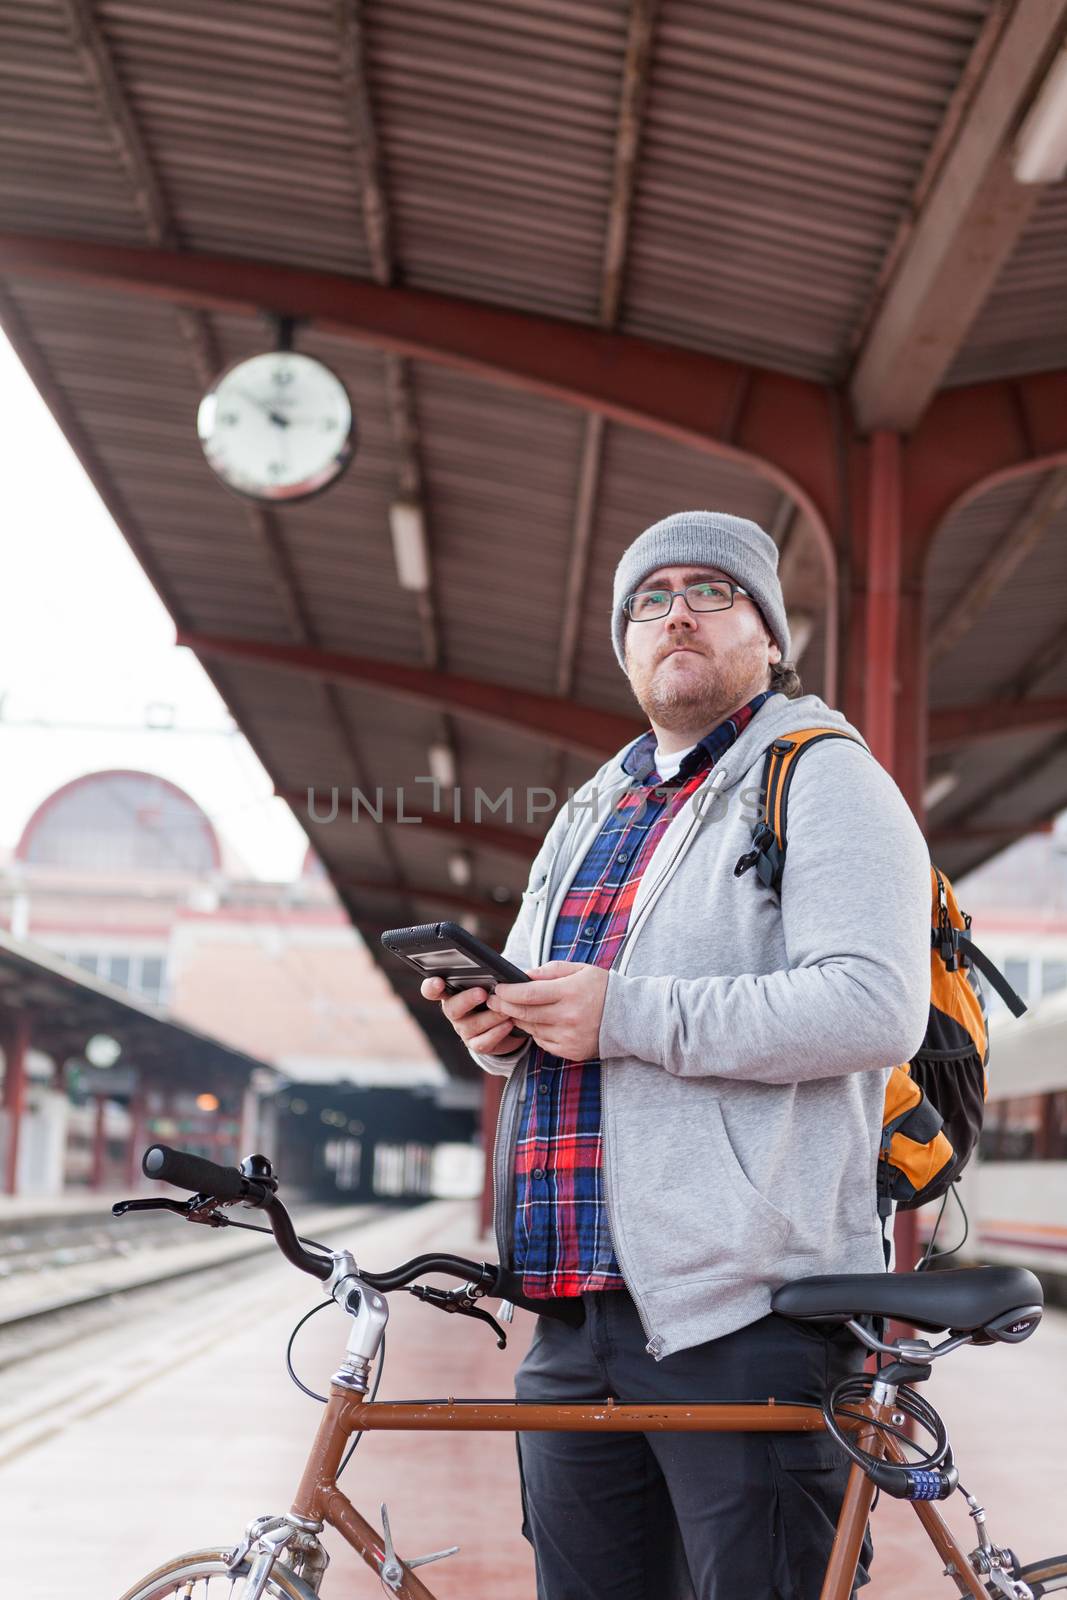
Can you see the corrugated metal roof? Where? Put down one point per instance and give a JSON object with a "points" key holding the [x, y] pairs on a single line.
{"points": [[1021, 616], [781, 147], [243, 112], [1004, 783], [1023, 325], [1014, 779], [497, 129], [500, 472]]}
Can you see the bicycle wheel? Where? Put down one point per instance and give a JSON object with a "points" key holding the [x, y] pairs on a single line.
{"points": [[1046, 1577], [204, 1575]]}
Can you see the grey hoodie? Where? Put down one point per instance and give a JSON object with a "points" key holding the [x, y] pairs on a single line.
{"points": [[745, 1040]]}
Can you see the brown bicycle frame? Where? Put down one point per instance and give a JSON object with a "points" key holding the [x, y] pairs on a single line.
{"points": [[319, 1499]]}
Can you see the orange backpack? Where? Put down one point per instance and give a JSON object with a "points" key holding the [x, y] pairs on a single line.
{"points": [[933, 1103]]}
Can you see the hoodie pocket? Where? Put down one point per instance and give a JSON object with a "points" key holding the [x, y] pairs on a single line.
{"points": [[761, 1227], [688, 1209]]}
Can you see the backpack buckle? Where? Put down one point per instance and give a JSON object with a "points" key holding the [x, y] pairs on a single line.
{"points": [[762, 839], [769, 865], [945, 939]]}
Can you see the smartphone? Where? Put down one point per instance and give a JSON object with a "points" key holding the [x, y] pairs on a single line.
{"points": [[445, 950]]}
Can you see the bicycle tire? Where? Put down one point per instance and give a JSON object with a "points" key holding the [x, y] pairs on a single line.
{"points": [[183, 1574], [1046, 1577]]}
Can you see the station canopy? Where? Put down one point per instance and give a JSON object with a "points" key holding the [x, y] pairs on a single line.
{"points": [[579, 263], [66, 1009]]}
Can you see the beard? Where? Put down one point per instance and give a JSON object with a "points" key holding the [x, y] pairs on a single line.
{"points": [[699, 690]]}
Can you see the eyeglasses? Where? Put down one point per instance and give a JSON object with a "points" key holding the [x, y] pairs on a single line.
{"points": [[714, 594]]}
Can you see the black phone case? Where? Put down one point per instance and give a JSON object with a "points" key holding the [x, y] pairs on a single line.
{"points": [[437, 939]]}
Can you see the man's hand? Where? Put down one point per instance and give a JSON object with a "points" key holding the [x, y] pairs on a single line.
{"points": [[478, 1029], [560, 1008]]}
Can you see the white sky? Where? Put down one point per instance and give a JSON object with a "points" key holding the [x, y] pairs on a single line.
{"points": [[84, 640]]}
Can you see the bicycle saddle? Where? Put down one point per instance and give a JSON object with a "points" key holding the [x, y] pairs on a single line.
{"points": [[963, 1299]]}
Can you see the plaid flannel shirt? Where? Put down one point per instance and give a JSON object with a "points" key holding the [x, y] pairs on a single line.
{"points": [[561, 1240]]}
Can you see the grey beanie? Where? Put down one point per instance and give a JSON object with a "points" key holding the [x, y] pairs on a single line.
{"points": [[736, 546]]}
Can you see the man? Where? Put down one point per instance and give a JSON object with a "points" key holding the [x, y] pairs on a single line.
{"points": [[693, 1115]]}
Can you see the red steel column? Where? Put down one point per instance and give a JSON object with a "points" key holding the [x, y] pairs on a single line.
{"points": [[890, 634], [913, 680], [882, 608], [16, 1045]]}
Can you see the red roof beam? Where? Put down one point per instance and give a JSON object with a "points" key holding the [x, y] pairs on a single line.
{"points": [[782, 427], [995, 718], [547, 718]]}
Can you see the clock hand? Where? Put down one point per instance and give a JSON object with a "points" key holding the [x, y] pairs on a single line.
{"points": [[264, 405]]}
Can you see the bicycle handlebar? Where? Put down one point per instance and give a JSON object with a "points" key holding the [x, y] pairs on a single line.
{"points": [[199, 1175], [230, 1185], [486, 1275], [282, 1227]]}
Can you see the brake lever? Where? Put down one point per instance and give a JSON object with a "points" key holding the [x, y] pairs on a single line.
{"points": [[485, 1316], [458, 1300], [198, 1208], [120, 1208]]}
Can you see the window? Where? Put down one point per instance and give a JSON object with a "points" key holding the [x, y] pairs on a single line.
{"points": [[1053, 976], [1017, 972], [1056, 1126], [119, 970], [143, 974], [1027, 1127], [151, 978]]}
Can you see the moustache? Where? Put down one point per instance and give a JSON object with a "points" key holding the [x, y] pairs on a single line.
{"points": [[674, 649]]}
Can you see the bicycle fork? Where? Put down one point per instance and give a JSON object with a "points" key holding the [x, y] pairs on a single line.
{"points": [[263, 1542]]}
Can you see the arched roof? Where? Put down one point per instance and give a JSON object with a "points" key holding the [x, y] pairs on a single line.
{"points": [[120, 821]]}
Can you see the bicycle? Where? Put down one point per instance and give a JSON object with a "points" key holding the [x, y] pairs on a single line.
{"points": [[280, 1555]]}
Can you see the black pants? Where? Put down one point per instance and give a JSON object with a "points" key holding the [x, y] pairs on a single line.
{"points": [[665, 1516]]}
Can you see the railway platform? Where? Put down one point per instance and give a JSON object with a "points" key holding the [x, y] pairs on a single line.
{"points": [[170, 1428]]}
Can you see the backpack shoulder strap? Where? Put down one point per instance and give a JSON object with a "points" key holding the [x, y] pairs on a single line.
{"points": [[963, 942], [769, 831]]}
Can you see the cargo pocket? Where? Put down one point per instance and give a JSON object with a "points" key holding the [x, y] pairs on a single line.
{"points": [[809, 1471]]}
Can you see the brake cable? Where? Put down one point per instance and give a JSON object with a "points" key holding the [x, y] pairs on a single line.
{"points": [[321, 1398], [253, 1227]]}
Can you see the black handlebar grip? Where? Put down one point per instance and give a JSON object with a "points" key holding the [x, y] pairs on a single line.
{"points": [[194, 1173]]}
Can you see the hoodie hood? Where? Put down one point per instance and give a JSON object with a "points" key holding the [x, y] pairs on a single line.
{"points": [[776, 717]]}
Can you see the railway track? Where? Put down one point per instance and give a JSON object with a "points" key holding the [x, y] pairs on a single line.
{"points": [[61, 1360], [59, 1276]]}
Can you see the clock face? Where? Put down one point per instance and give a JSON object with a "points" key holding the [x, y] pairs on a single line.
{"points": [[277, 426]]}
